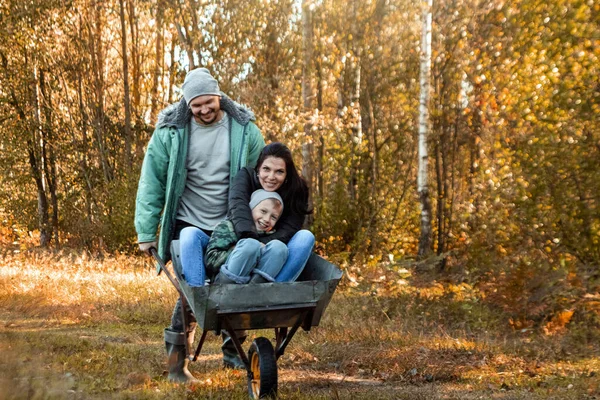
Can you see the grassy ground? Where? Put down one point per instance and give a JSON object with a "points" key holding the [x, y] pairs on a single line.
{"points": [[79, 328]]}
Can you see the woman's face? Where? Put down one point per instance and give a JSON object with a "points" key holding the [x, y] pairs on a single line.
{"points": [[272, 173]]}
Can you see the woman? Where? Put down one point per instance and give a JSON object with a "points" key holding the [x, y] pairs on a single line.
{"points": [[275, 172]]}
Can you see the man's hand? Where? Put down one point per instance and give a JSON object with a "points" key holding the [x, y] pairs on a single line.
{"points": [[146, 246]]}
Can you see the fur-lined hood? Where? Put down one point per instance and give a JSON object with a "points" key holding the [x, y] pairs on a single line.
{"points": [[179, 114]]}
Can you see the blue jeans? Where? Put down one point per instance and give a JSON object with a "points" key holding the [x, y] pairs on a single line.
{"points": [[299, 248], [192, 243], [251, 256]]}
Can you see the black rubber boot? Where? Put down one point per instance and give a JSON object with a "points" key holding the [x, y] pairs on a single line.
{"points": [[258, 278], [231, 358], [176, 357], [223, 279]]}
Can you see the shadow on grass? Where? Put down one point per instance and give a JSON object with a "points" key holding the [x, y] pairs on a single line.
{"points": [[141, 310]]}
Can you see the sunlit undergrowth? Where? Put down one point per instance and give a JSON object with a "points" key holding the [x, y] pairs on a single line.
{"points": [[81, 327]]}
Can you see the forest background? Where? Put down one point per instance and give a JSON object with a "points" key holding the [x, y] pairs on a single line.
{"points": [[514, 138]]}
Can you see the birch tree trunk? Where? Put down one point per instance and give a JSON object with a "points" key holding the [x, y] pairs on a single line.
{"points": [[307, 147], [422, 181], [355, 106], [36, 162]]}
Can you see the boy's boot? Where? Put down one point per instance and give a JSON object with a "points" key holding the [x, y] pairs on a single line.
{"points": [[176, 357], [258, 278], [223, 279], [231, 358]]}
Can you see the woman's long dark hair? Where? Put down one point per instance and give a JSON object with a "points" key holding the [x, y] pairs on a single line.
{"points": [[294, 190]]}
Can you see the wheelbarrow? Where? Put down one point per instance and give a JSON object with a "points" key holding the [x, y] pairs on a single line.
{"points": [[284, 307]]}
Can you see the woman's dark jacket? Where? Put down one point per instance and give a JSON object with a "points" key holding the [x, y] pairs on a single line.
{"points": [[246, 182]]}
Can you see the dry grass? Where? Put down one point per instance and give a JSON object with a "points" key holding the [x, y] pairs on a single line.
{"points": [[75, 327]]}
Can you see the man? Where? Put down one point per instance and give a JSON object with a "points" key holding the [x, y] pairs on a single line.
{"points": [[197, 148]]}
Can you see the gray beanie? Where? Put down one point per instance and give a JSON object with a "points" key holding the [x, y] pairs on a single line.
{"points": [[261, 194], [199, 82]]}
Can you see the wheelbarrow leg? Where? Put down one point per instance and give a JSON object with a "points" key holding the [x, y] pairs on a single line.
{"points": [[286, 340], [280, 334], [199, 348], [236, 343]]}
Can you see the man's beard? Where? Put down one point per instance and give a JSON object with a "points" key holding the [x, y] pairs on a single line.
{"points": [[202, 118]]}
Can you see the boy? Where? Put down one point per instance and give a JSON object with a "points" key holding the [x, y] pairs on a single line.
{"points": [[248, 260]]}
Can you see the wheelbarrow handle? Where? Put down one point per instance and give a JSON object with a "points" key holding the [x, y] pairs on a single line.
{"points": [[184, 304], [163, 268]]}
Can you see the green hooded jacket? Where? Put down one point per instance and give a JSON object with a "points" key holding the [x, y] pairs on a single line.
{"points": [[220, 246], [164, 173]]}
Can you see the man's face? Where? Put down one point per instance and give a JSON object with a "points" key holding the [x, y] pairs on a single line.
{"points": [[206, 109], [266, 214]]}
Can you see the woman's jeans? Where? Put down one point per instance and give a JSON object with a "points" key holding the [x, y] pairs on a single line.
{"points": [[192, 243], [299, 248]]}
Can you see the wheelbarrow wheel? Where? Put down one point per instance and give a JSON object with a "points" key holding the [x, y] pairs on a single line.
{"points": [[262, 382]]}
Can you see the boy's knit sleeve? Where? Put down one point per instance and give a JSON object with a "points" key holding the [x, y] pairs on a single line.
{"points": [[221, 243]]}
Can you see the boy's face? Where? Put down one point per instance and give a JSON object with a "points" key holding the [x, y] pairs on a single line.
{"points": [[265, 214]]}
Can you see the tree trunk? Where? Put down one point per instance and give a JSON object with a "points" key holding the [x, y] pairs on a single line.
{"points": [[272, 65], [372, 179], [135, 60], [36, 162], [356, 60], [83, 160], [371, 128], [320, 186], [126, 100], [33, 157], [307, 147], [48, 154], [43, 219], [475, 141], [194, 36], [422, 178], [172, 76], [356, 140], [440, 199], [158, 62], [98, 67], [186, 42]]}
